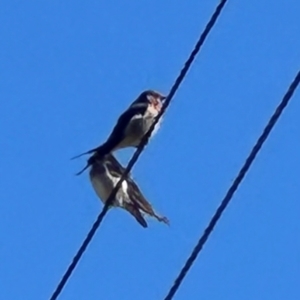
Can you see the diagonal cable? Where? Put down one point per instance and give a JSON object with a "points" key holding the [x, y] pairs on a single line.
{"points": [[139, 150], [234, 187]]}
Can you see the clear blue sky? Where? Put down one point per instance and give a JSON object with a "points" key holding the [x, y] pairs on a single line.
{"points": [[69, 68]]}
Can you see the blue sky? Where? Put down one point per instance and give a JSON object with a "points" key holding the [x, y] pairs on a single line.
{"points": [[69, 68]]}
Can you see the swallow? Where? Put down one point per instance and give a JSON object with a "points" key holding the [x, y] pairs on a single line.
{"points": [[104, 174], [131, 126]]}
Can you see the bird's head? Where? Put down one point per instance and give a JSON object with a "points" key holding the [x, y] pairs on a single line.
{"points": [[155, 99], [152, 98]]}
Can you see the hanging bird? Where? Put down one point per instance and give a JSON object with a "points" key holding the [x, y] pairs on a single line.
{"points": [[131, 126], [105, 173]]}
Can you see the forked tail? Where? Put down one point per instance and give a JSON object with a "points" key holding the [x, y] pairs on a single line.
{"points": [[90, 161], [81, 171], [136, 213], [85, 153]]}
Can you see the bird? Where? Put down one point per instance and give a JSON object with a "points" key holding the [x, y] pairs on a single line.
{"points": [[104, 174], [131, 126]]}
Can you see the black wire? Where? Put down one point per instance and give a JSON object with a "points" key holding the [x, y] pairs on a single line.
{"points": [[139, 150], [234, 187]]}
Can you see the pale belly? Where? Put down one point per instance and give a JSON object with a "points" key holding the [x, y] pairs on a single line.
{"points": [[137, 129], [103, 187]]}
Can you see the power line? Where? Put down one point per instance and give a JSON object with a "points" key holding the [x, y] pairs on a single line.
{"points": [[139, 150], [234, 187]]}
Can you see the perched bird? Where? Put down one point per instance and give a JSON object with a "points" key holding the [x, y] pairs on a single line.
{"points": [[131, 126], [105, 173]]}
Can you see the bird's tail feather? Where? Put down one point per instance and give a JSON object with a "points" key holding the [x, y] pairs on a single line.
{"points": [[90, 161], [136, 213], [85, 153], [98, 153], [141, 203], [82, 170]]}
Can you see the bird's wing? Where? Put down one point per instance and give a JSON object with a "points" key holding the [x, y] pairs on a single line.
{"points": [[137, 203], [141, 202], [118, 131], [138, 198], [114, 167]]}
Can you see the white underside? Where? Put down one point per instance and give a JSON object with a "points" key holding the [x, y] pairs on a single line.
{"points": [[103, 186], [137, 128]]}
